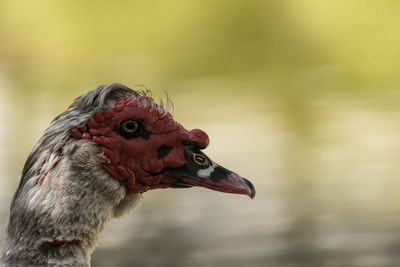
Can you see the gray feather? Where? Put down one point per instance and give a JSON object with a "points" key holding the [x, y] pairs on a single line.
{"points": [[78, 198]]}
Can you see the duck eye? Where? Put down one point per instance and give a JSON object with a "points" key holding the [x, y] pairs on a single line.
{"points": [[200, 160], [130, 128]]}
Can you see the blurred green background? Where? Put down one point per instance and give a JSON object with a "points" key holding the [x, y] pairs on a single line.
{"points": [[300, 97]]}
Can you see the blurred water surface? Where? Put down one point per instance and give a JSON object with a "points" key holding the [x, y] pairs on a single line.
{"points": [[302, 98]]}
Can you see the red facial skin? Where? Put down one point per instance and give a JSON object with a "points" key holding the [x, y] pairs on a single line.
{"points": [[134, 162]]}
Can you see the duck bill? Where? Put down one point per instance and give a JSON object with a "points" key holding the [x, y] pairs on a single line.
{"points": [[209, 175]]}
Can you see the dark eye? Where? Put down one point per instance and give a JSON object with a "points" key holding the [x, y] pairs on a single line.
{"points": [[200, 159], [130, 128]]}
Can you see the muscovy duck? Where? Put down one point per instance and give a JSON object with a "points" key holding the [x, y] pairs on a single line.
{"points": [[92, 164]]}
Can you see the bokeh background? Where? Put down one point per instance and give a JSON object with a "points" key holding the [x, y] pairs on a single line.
{"points": [[300, 97]]}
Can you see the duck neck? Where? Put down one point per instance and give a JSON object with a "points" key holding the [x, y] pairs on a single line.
{"points": [[58, 221]]}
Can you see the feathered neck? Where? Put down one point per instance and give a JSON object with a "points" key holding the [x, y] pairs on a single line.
{"points": [[65, 199], [59, 220]]}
